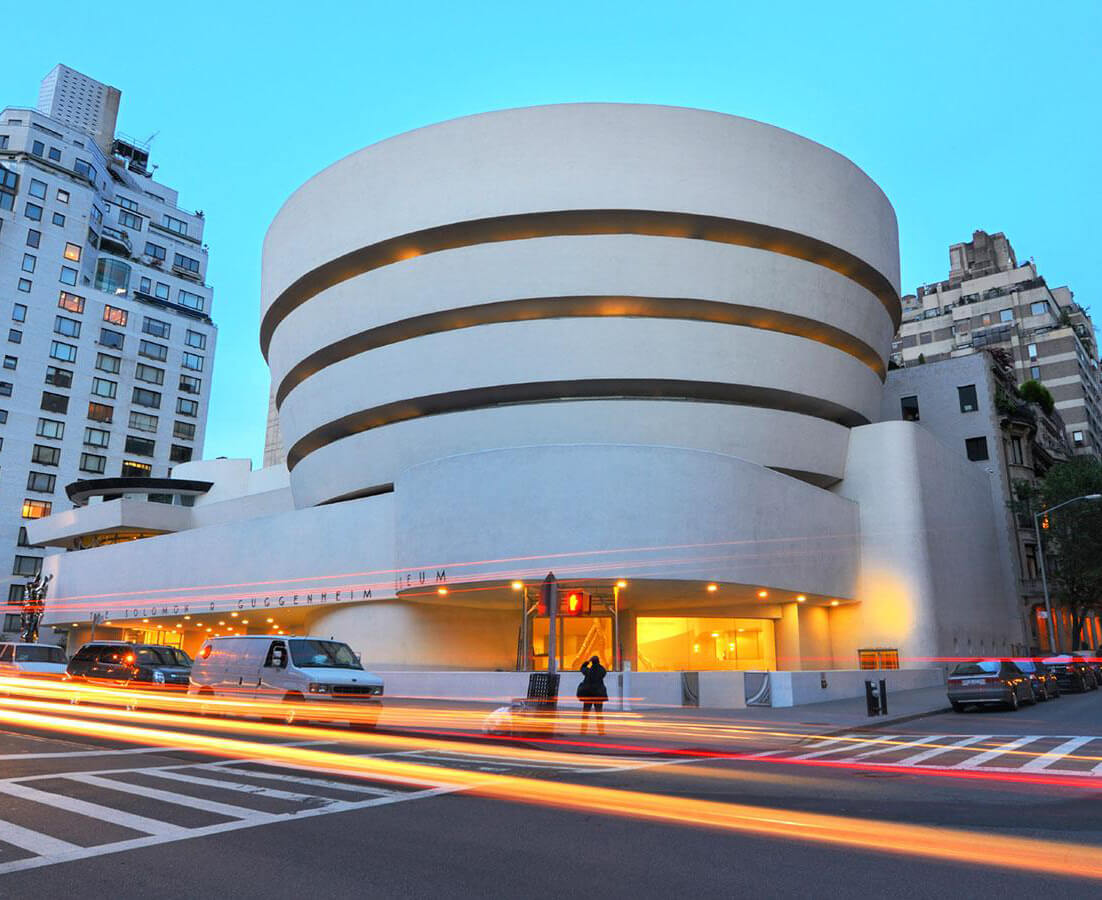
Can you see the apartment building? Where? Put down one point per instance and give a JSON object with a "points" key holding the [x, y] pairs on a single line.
{"points": [[992, 300], [109, 343], [969, 403]]}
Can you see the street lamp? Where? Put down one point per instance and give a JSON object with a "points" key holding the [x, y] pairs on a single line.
{"points": [[1053, 641]]}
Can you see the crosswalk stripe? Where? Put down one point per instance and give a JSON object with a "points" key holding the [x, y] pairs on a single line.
{"points": [[900, 746], [35, 841], [853, 741], [255, 790], [93, 810], [313, 782], [1057, 752], [141, 790], [945, 748], [981, 758]]}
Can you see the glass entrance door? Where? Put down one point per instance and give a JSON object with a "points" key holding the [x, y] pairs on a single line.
{"points": [[579, 638]]}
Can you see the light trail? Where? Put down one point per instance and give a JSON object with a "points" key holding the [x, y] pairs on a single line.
{"points": [[944, 844]]}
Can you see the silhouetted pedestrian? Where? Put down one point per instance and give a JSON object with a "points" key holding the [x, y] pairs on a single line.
{"points": [[592, 692]]}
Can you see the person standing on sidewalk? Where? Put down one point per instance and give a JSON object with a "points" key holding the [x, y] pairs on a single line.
{"points": [[592, 692]]}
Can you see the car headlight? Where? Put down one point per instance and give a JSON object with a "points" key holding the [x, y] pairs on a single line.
{"points": [[317, 688], [158, 676]]}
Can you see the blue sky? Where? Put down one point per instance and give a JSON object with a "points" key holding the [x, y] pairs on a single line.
{"points": [[968, 115]]}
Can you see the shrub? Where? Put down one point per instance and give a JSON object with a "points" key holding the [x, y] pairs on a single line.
{"points": [[1035, 392]]}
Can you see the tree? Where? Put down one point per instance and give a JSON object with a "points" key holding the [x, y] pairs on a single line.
{"points": [[1035, 392], [1071, 537]]}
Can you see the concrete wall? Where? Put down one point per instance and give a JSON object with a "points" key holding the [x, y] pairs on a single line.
{"points": [[802, 688]]}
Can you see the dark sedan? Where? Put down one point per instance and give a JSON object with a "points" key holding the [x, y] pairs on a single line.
{"points": [[119, 664], [1072, 673], [1045, 684], [989, 681]]}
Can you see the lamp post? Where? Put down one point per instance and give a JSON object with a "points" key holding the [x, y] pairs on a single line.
{"points": [[617, 663], [1053, 641]]}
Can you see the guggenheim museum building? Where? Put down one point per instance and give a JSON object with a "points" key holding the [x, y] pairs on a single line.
{"points": [[640, 347]]}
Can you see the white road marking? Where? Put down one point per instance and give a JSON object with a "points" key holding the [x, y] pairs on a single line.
{"points": [[141, 790], [899, 745], [313, 782], [147, 751], [851, 741], [253, 789], [936, 751], [1057, 752], [93, 810], [1002, 749], [42, 844]]}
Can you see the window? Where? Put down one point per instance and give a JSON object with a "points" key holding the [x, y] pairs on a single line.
{"points": [[105, 362], [128, 219], [38, 148], [68, 276], [190, 385], [1077, 438], [109, 338], [1039, 308], [909, 408], [139, 446], [33, 212], [144, 397], [186, 263], [966, 396], [6, 387], [161, 291], [85, 169], [193, 361], [145, 286], [156, 327], [15, 336], [143, 422], [62, 195], [37, 189], [21, 540], [103, 387], [58, 377], [196, 339], [64, 352], [112, 276], [136, 469], [156, 251], [1016, 451], [1006, 315], [114, 315], [36, 509], [1032, 351], [71, 302], [1035, 373], [66, 326], [101, 412], [50, 428], [150, 374], [878, 659], [34, 238], [11, 362], [90, 462], [29, 260], [24, 285], [57, 403], [45, 456], [190, 300], [976, 448], [96, 437], [176, 225], [41, 482], [9, 183], [15, 597], [27, 565], [126, 203], [180, 454], [19, 313], [185, 407], [153, 351], [185, 431], [72, 252], [58, 219], [1031, 569]]}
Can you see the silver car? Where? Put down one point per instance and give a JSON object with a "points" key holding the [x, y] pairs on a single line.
{"points": [[989, 681]]}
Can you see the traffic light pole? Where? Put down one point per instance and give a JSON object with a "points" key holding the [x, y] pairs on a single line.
{"points": [[551, 597]]}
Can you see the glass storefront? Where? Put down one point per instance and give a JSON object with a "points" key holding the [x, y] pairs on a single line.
{"points": [[670, 644], [578, 639]]}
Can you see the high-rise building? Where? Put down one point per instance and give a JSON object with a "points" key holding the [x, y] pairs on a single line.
{"points": [[992, 300], [109, 345]]}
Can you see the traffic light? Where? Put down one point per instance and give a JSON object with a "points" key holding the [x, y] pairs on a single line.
{"points": [[575, 603]]}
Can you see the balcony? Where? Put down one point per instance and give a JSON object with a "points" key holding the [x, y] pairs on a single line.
{"points": [[115, 241]]}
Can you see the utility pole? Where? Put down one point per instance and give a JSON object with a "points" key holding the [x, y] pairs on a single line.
{"points": [[550, 590]]}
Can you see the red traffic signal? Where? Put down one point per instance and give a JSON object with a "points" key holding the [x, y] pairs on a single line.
{"points": [[574, 603]]}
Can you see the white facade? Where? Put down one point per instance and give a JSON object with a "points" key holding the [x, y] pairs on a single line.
{"points": [[643, 347], [109, 342], [70, 97]]}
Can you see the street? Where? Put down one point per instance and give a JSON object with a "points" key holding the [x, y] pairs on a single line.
{"points": [[947, 805]]}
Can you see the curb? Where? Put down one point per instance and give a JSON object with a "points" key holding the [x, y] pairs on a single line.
{"points": [[896, 720]]}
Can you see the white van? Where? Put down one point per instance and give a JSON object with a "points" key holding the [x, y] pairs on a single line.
{"points": [[42, 660], [290, 669]]}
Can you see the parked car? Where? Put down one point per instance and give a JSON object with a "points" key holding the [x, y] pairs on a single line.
{"points": [[122, 664], [1072, 673], [41, 660], [1045, 684], [988, 681], [1092, 659], [292, 670]]}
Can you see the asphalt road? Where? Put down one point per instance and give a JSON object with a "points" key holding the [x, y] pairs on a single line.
{"points": [[91, 817]]}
